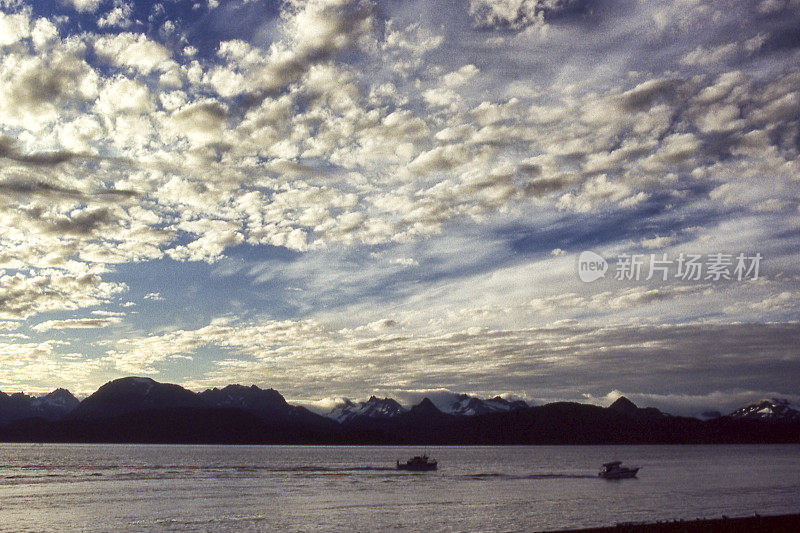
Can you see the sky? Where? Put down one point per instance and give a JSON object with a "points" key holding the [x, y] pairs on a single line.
{"points": [[340, 198]]}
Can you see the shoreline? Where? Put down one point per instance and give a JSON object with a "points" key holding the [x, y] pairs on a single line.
{"points": [[788, 523], [324, 444]]}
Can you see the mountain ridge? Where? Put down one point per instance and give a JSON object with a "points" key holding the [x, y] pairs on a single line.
{"points": [[131, 394], [455, 404], [769, 409], [136, 409], [374, 407], [266, 404], [52, 406]]}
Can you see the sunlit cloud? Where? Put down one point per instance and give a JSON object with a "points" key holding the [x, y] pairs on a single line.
{"points": [[357, 191]]}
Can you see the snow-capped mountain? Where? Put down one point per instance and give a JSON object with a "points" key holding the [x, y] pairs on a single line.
{"points": [[244, 397], [267, 404], [163, 412], [770, 410], [52, 406], [59, 399], [372, 408], [455, 404], [464, 405]]}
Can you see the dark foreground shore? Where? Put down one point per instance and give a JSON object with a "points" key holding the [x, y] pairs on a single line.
{"points": [[789, 523]]}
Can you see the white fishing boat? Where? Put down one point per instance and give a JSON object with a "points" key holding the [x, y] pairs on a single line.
{"points": [[615, 470]]}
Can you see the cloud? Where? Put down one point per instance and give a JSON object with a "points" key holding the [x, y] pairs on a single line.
{"points": [[202, 122], [76, 323], [536, 363], [35, 88], [13, 27], [314, 32], [27, 365], [516, 14], [695, 405], [132, 50], [24, 296], [217, 235], [121, 16], [83, 6], [104, 313], [20, 353], [9, 149], [83, 222], [417, 166], [124, 95]]}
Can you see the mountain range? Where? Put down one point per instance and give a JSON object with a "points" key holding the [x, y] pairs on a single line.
{"points": [[774, 409], [456, 404], [138, 409], [53, 406], [372, 408]]}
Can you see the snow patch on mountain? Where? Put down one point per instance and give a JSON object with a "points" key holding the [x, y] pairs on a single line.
{"points": [[51, 406], [464, 405], [771, 410], [372, 408], [451, 403], [58, 399]]}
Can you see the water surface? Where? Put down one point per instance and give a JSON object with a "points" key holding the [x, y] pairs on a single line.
{"points": [[57, 487]]}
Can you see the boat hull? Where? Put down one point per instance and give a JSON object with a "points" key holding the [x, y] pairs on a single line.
{"points": [[624, 473], [417, 468]]}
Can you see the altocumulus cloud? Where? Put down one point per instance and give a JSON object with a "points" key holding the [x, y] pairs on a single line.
{"points": [[76, 323], [346, 165]]}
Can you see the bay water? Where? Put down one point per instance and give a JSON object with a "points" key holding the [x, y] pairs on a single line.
{"points": [[117, 487]]}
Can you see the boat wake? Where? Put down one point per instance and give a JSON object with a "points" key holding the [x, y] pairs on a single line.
{"points": [[499, 475], [337, 469], [176, 472]]}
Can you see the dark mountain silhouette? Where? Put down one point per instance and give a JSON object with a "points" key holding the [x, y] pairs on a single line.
{"points": [[52, 406], [143, 410], [128, 395], [177, 425], [426, 409], [515, 404], [60, 398], [268, 405], [624, 405], [420, 424]]}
